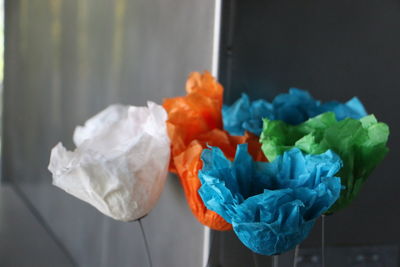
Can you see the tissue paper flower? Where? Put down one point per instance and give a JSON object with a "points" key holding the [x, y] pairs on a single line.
{"points": [[272, 206], [196, 113], [121, 161], [361, 144], [194, 121], [295, 107]]}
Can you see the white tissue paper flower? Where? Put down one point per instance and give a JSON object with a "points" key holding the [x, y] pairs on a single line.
{"points": [[121, 161]]}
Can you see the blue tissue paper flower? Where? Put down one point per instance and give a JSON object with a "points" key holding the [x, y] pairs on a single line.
{"points": [[295, 107], [271, 206]]}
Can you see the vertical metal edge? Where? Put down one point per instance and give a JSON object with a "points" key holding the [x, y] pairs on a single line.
{"points": [[228, 17], [2, 123], [206, 245], [7, 17], [216, 38], [214, 71]]}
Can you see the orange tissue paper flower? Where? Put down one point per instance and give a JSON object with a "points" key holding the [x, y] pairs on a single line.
{"points": [[194, 122]]}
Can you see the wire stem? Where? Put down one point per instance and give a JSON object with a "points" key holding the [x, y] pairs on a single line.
{"points": [[146, 244], [323, 241], [275, 261], [255, 259], [296, 255]]}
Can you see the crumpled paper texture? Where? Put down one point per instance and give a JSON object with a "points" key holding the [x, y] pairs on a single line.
{"points": [[294, 108], [195, 121], [272, 206], [361, 144], [120, 163]]}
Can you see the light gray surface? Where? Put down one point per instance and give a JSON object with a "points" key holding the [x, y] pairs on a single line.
{"points": [[336, 50], [65, 61], [23, 240]]}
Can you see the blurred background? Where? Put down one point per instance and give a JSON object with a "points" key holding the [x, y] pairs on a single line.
{"points": [[66, 60]]}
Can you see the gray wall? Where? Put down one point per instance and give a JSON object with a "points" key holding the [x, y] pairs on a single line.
{"points": [[67, 60], [334, 49]]}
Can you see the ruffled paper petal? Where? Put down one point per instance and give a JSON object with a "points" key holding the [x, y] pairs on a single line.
{"points": [[121, 161], [272, 206], [294, 108], [361, 144], [195, 121], [196, 113]]}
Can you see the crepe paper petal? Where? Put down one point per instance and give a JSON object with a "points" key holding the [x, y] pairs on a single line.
{"points": [[272, 206], [196, 113], [360, 143], [121, 161], [294, 107], [195, 121], [189, 163], [245, 115]]}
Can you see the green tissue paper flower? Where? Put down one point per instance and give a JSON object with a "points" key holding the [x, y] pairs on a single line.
{"points": [[361, 144]]}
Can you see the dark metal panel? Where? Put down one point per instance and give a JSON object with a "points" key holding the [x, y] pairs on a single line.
{"points": [[67, 60], [334, 49]]}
